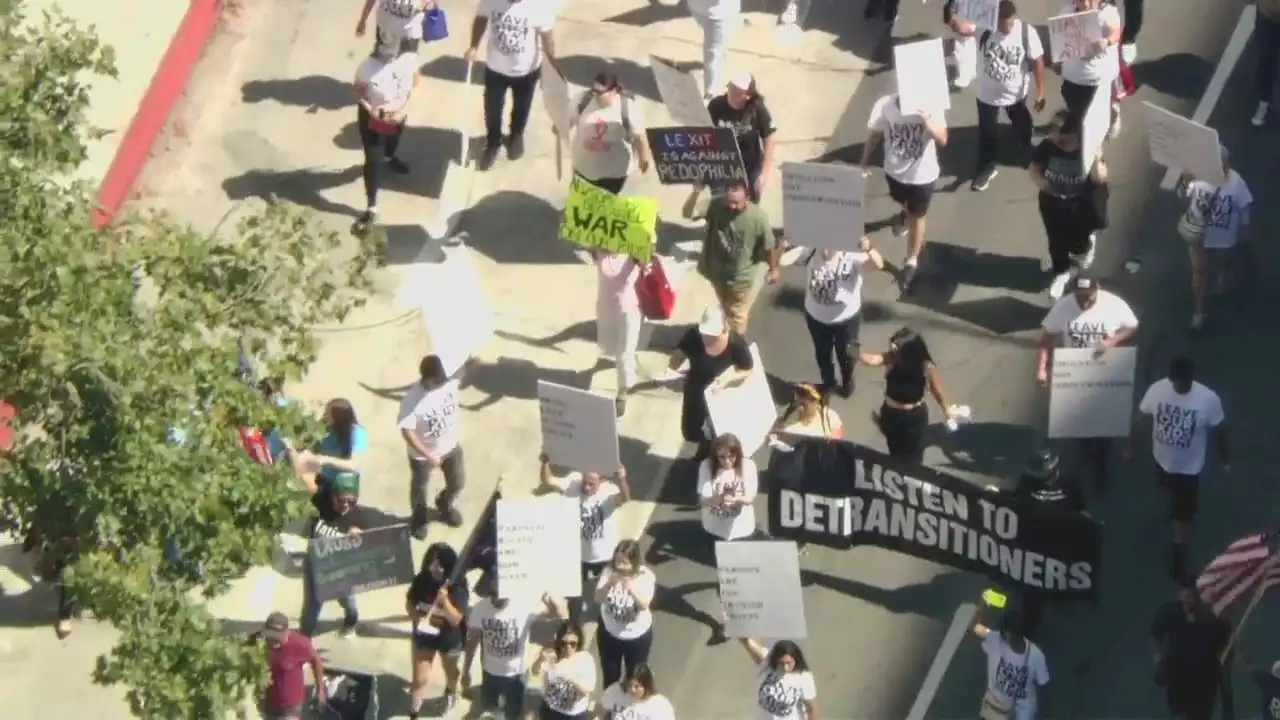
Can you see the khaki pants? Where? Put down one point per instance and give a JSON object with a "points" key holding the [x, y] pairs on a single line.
{"points": [[737, 301]]}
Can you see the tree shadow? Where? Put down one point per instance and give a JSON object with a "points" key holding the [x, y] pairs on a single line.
{"points": [[313, 92], [299, 187], [1179, 75]]}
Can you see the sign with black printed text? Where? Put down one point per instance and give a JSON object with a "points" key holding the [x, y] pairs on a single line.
{"points": [[354, 564], [839, 495], [539, 548], [696, 155], [760, 589], [1091, 396], [822, 205]]}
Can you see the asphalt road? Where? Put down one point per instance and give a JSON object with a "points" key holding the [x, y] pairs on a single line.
{"points": [[876, 618]]}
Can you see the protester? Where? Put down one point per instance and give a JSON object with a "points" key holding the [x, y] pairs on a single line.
{"points": [[1082, 76], [384, 82], [719, 20], [429, 424], [338, 513], [1072, 200], [344, 438], [570, 674], [608, 135], [1016, 669], [600, 501], [1215, 217], [634, 697], [727, 486], [742, 109], [288, 653], [910, 168], [1268, 682], [437, 603], [1089, 317], [737, 249], [1183, 413], [711, 350], [398, 24], [832, 310], [499, 629], [624, 595], [785, 687], [618, 318], [1189, 640], [519, 39], [1010, 57], [1266, 41], [909, 373], [813, 417], [964, 47]]}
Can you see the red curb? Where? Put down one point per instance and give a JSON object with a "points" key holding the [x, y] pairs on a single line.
{"points": [[153, 111]]}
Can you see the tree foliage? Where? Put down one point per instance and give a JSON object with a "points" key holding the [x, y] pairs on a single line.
{"points": [[100, 371]]}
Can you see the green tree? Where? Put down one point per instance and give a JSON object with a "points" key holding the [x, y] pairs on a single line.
{"points": [[100, 371]]}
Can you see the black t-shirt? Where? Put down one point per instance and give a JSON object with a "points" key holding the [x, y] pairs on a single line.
{"points": [[1064, 171], [422, 593], [327, 522], [905, 385], [704, 368], [1269, 686], [752, 125], [1191, 646]]}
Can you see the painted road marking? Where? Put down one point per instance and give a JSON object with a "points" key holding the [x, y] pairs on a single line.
{"points": [[960, 623]]}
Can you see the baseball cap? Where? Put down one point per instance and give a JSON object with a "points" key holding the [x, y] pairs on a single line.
{"points": [[742, 81], [1084, 281], [276, 626], [712, 322]]}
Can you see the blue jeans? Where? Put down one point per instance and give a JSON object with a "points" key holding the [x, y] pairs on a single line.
{"points": [[311, 606]]}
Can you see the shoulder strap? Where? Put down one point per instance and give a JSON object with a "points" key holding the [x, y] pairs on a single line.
{"points": [[626, 113]]}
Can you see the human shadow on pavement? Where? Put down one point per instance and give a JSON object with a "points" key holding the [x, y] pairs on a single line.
{"points": [[636, 78], [992, 449], [427, 151], [454, 68], [1180, 75], [581, 330], [313, 92], [302, 187]]}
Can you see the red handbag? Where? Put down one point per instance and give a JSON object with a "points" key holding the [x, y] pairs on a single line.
{"points": [[382, 127], [657, 299]]}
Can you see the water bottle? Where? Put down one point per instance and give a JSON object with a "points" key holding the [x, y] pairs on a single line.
{"points": [[957, 414]]}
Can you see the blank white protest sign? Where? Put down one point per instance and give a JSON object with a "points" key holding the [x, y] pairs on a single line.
{"points": [[455, 311], [539, 547], [921, 71], [579, 428], [760, 589], [822, 205], [680, 94]]}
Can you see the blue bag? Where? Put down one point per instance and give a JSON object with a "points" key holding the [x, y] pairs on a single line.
{"points": [[434, 25]]}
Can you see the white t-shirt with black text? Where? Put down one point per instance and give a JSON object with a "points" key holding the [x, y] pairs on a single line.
{"points": [[1006, 66], [1098, 69], [624, 707], [1180, 425], [397, 21], [622, 616], [601, 143], [781, 696], [388, 84], [1221, 208], [834, 290], [1086, 328], [600, 533], [730, 522], [504, 635], [910, 154], [433, 416], [1014, 678], [515, 48], [560, 693]]}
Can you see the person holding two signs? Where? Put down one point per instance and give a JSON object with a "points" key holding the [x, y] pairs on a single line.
{"points": [[569, 674], [437, 604], [500, 628]]}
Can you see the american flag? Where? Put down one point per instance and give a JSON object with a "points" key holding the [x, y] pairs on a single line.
{"points": [[1247, 564]]}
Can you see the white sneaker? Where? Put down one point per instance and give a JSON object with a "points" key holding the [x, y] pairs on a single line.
{"points": [[1059, 285], [1129, 51], [789, 16], [1085, 259], [1197, 321], [1260, 116]]}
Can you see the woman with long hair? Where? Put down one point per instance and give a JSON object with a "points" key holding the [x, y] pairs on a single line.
{"points": [[383, 84], [1215, 217], [742, 108], [727, 486], [618, 318], [1095, 70], [635, 696], [909, 373], [569, 676], [344, 438], [437, 603], [809, 415], [833, 310], [608, 135], [624, 593], [785, 688]]}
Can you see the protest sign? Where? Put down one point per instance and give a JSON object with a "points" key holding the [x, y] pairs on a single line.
{"points": [[445, 287], [354, 564], [921, 71], [555, 96], [983, 13], [745, 410], [1183, 145], [680, 94], [760, 589], [822, 205], [1073, 36], [696, 155], [837, 494], [1094, 128], [579, 428], [1091, 396], [595, 218], [539, 547]]}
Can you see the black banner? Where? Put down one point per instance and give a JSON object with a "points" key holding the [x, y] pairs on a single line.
{"points": [[839, 495], [690, 155], [353, 564]]}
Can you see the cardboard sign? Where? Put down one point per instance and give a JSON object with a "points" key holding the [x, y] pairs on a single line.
{"points": [[1094, 128], [680, 94], [354, 564], [822, 204], [983, 13], [1091, 397], [921, 71], [747, 410], [539, 547], [1073, 36], [760, 589], [1183, 145], [696, 155], [579, 428], [445, 287], [594, 218], [555, 96]]}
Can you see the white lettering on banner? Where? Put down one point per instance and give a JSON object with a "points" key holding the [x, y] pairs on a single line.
{"points": [[1183, 145], [446, 287], [983, 13], [1073, 36], [538, 547], [921, 70], [822, 205], [680, 94], [579, 428], [747, 410], [1091, 397], [760, 589], [324, 547], [555, 96]]}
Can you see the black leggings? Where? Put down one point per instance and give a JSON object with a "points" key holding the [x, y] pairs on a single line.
{"points": [[496, 86], [372, 142], [836, 339], [1077, 98], [904, 431], [610, 185], [618, 656], [1067, 227], [1132, 21]]}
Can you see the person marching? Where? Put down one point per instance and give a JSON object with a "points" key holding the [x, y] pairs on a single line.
{"points": [[737, 249], [909, 373], [1266, 38], [338, 514], [719, 19], [635, 697], [288, 653], [964, 46], [398, 26], [437, 605], [910, 169], [1190, 639], [1009, 58], [383, 84], [808, 416], [569, 672], [429, 424], [1215, 217], [499, 628], [785, 687], [832, 310], [608, 134], [618, 318], [1016, 669], [1083, 77], [742, 109], [711, 349], [727, 486], [624, 594]]}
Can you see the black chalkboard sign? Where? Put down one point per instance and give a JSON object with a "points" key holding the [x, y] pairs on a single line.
{"points": [[354, 564], [692, 155]]}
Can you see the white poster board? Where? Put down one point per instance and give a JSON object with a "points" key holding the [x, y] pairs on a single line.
{"points": [[555, 95], [1072, 36], [1183, 145], [579, 428], [446, 286], [983, 13], [1094, 127], [539, 547], [1092, 397], [921, 71], [746, 410], [680, 94], [760, 589], [822, 205]]}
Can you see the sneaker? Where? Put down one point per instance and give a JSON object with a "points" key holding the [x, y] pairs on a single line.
{"points": [[984, 178], [620, 406], [450, 702], [364, 222], [515, 147], [487, 158], [899, 224], [906, 277], [1260, 115], [1197, 321], [420, 531], [349, 628], [1085, 259], [398, 166], [449, 514], [718, 637], [1059, 285], [1129, 51]]}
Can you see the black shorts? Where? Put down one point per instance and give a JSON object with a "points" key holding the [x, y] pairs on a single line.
{"points": [[914, 198], [1183, 492], [449, 642]]}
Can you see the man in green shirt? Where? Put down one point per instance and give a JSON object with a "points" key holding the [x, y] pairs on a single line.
{"points": [[738, 246]]}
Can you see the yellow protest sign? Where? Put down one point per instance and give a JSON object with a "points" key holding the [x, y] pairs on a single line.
{"points": [[596, 218]]}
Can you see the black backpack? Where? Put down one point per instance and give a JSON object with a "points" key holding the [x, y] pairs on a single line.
{"points": [[626, 109]]}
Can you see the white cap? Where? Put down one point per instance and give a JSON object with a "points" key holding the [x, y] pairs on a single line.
{"points": [[712, 323], [742, 81], [1275, 668]]}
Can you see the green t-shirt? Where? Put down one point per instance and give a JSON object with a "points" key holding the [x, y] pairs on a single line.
{"points": [[734, 244]]}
